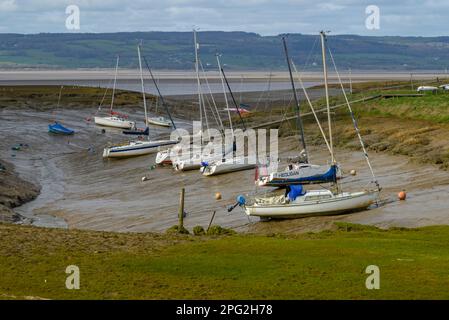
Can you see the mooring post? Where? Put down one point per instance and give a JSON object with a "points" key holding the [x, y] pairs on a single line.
{"points": [[181, 209], [210, 223]]}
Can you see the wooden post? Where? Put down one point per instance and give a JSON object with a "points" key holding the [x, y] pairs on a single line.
{"points": [[210, 223], [181, 209]]}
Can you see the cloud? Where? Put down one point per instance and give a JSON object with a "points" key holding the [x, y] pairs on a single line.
{"points": [[7, 5], [267, 17]]}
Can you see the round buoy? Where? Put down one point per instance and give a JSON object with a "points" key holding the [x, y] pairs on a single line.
{"points": [[218, 196], [402, 195], [353, 172], [144, 179]]}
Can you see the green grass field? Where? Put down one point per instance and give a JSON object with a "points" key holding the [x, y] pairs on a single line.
{"points": [[414, 264]]}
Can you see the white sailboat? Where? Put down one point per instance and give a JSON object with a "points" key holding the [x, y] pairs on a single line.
{"points": [[298, 202], [115, 122], [164, 157], [139, 147], [197, 159], [159, 121], [300, 171], [115, 119], [222, 166], [312, 203], [225, 164]]}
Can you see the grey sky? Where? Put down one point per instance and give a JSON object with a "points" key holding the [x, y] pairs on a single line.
{"points": [[267, 17]]}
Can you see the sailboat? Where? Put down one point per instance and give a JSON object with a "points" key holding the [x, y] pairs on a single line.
{"points": [[298, 202], [159, 120], [222, 165], [115, 119], [195, 162], [56, 127], [138, 147], [300, 171]]}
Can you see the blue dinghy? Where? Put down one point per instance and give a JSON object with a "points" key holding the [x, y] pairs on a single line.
{"points": [[59, 129]]}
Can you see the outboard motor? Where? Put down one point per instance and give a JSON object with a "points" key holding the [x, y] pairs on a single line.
{"points": [[241, 201]]}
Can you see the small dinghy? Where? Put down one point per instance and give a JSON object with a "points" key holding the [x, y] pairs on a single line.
{"points": [[137, 132], [58, 128]]}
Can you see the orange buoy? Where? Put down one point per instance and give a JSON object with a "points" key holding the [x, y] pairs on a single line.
{"points": [[218, 196], [402, 195]]}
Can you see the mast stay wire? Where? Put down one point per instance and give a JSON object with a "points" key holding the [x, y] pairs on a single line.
{"points": [[354, 121]]}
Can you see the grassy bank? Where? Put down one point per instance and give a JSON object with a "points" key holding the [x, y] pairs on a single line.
{"points": [[328, 265]]}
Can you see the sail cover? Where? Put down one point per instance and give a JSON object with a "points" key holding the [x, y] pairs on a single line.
{"points": [[295, 191], [303, 176]]}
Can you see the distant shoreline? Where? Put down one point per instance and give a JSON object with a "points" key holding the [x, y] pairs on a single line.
{"points": [[187, 75]]}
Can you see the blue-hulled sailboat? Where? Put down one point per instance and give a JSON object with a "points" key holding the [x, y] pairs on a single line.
{"points": [[56, 127], [59, 129]]}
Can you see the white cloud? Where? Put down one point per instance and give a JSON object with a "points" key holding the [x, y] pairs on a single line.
{"points": [[268, 17], [7, 5]]}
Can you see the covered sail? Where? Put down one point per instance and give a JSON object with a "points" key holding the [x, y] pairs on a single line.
{"points": [[305, 174]]}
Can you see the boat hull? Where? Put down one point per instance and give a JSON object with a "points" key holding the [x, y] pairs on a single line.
{"points": [[136, 149], [306, 174], [338, 205], [59, 129], [159, 122], [223, 168], [114, 122], [163, 157], [186, 165]]}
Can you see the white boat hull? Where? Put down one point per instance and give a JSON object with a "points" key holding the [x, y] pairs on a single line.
{"points": [[341, 203], [159, 121], [136, 148], [114, 122], [195, 161], [223, 167], [187, 165], [163, 157]]}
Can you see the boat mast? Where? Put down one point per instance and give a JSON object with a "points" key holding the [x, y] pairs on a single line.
{"points": [[159, 93], [233, 99], [115, 81], [224, 92], [326, 87], [197, 70], [298, 107], [143, 88]]}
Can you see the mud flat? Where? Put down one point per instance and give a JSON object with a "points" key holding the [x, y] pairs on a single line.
{"points": [[14, 192], [81, 190]]}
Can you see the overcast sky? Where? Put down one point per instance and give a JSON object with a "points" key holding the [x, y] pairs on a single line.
{"points": [[266, 17]]}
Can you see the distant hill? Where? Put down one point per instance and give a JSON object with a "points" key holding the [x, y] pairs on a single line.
{"points": [[241, 50]]}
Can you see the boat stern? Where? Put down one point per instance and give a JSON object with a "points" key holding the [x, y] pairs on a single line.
{"points": [[105, 153]]}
